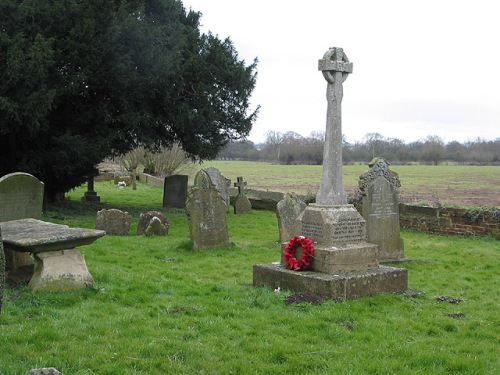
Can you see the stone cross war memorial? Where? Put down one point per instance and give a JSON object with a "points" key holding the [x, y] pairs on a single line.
{"points": [[345, 265]]}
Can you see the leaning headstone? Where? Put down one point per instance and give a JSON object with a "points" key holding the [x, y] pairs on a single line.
{"points": [[153, 223], [206, 214], [21, 197], [114, 221], [175, 191], [156, 228], [221, 183], [379, 188], [242, 203], [288, 211]]}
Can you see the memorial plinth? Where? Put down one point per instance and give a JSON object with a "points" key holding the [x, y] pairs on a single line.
{"points": [[345, 265], [338, 287], [59, 265]]}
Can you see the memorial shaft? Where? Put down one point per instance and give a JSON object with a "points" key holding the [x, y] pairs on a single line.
{"points": [[335, 67]]}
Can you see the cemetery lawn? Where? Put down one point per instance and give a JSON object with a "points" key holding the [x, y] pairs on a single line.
{"points": [[159, 307]]}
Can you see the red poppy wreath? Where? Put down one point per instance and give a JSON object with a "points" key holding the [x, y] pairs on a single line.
{"points": [[303, 263]]}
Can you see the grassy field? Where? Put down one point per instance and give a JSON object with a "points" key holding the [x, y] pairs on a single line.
{"points": [[454, 185], [159, 307]]}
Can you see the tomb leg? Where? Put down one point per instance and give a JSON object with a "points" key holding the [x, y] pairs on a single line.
{"points": [[18, 266], [62, 270]]}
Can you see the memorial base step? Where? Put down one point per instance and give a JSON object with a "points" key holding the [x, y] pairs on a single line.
{"points": [[343, 286], [345, 258]]}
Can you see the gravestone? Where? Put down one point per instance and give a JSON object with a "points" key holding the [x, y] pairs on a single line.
{"points": [[153, 223], [345, 265], [379, 188], [221, 183], [90, 196], [175, 191], [206, 212], [242, 203], [288, 211], [114, 221], [21, 197]]}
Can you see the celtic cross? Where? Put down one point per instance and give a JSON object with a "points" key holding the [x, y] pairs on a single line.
{"points": [[335, 67]]}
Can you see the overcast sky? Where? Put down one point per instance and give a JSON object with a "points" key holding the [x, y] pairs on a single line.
{"points": [[424, 67]]}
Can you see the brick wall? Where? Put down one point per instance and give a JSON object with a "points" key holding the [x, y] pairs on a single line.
{"points": [[447, 220]]}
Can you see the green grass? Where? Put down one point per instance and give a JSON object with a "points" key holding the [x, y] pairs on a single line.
{"points": [[159, 307]]}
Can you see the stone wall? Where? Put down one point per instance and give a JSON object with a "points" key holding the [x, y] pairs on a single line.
{"points": [[444, 220], [151, 180], [260, 199], [447, 220]]}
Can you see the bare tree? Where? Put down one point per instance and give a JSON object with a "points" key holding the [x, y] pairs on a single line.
{"points": [[374, 141], [132, 159], [291, 148], [165, 162], [315, 143], [276, 139], [433, 149]]}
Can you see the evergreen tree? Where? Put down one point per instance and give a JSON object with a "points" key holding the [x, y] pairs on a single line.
{"points": [[85, 80]]}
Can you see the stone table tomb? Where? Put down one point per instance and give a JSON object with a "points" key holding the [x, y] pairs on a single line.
{"points": [[59, 265]]}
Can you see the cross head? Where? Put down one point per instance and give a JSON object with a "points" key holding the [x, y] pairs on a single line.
{"points": [[335, 61], [240, 184]]}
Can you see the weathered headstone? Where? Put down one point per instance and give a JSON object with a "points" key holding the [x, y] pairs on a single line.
{"points": [[379, 188], [288, 211], [21, 197], [242, 203], [345, 265], [156, 228], [206, 214], [175, 191], [221, 183], [114, 221], [153, 223]]}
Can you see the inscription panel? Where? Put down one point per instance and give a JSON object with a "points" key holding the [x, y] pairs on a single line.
{"points": [[349, 230], [382, 202], [312, 230]]}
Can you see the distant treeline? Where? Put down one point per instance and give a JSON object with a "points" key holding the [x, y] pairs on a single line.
{"points": [[293, 148]]}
